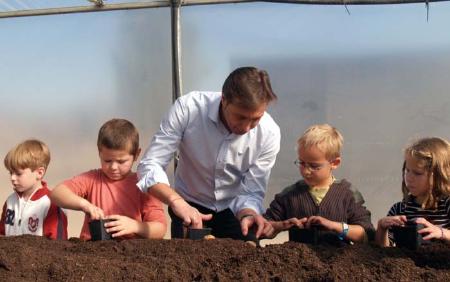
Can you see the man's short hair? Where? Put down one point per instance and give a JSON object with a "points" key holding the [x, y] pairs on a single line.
{"points": [[31, 154], [248, 87], [119, 134], [325, 137]]}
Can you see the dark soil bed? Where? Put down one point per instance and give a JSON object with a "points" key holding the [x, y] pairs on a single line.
{"points": [[29, 258]]}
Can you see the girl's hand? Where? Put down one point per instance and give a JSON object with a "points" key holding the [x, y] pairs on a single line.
{"points": [[93, 211], [430, 231], [121, 226], [389, 221], [325, 223]]}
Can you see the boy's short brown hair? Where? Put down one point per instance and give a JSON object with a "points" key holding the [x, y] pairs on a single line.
{"points": [[31, 154], [325, 137], [248, 87], [119, 134]]}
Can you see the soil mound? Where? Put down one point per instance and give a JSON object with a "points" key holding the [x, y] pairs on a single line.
{"points": [[30, 258]]}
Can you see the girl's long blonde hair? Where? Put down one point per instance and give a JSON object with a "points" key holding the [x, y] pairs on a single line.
{"points": [[434, 154]]}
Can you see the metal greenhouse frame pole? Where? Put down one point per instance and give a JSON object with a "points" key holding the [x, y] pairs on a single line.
{"points": [[176, 49], [167, 3], [176, 59]]}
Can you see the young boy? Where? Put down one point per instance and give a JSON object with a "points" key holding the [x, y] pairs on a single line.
{"points": [[111, 192], [29, 210], [319, 198]]}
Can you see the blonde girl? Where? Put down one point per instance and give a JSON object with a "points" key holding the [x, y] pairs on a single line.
{"points": [[425, 187]]}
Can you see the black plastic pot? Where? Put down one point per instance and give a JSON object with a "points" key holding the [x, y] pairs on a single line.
{"points": [[198, 233], [306, 236], [407, 236], [98, 230]]}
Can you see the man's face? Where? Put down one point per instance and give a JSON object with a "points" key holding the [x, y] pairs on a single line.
{"points": [[240, 120]]}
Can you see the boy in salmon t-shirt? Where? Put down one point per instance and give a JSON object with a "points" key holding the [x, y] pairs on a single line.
{"points": [[111, 192]]}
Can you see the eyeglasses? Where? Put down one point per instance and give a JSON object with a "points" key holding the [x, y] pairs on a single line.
{"points": [[310, 166]]}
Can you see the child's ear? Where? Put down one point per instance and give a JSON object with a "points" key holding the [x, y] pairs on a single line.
{"points": [[40, 172], [335, 163], [138, 152]]}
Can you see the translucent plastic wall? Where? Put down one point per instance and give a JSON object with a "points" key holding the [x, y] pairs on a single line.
{"points": [[380, 75]]}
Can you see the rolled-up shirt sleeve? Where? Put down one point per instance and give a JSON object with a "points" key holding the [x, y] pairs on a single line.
{"points": [[152, 167], [254, 182]]}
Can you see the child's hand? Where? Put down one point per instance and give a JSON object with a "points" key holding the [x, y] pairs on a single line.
{"points": [[325, 223], [279, 226], [389, 221], [121, 225], [430, 231], [93, 211], [288, 223]]}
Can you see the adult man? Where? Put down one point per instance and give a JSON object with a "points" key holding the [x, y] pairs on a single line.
{"points": [[227, 146]]}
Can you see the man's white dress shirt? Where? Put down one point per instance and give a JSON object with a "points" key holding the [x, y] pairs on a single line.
{"points": [[216, 169]]}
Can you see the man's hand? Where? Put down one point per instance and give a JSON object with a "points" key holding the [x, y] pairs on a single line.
{"points": [[263, 227], [190, 215], [93, 211], [250, 219]]}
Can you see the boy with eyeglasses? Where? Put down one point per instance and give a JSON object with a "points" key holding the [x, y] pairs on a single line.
{"points": [[319, 198]]}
